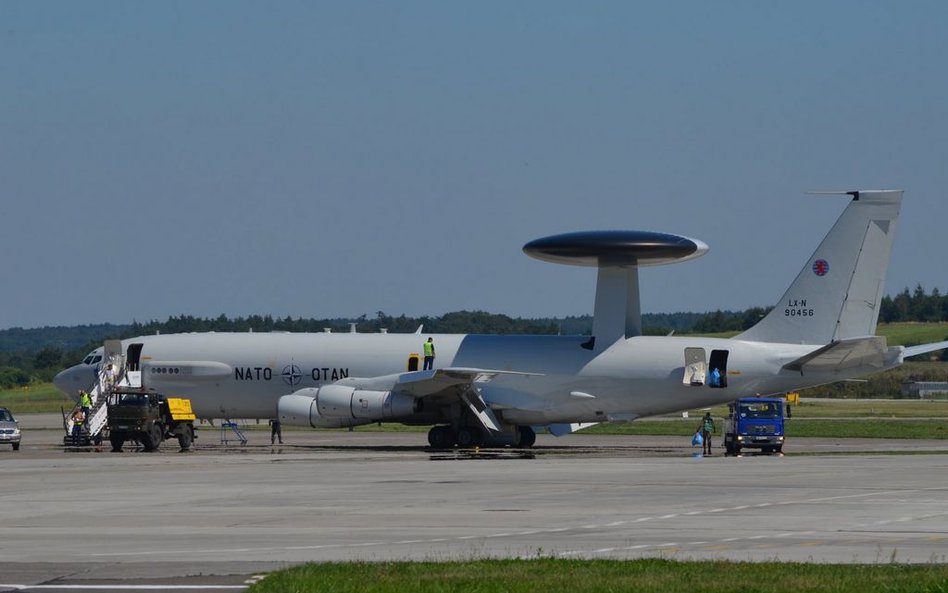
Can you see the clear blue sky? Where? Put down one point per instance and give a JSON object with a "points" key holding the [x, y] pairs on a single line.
{"points": [[334, 159]]}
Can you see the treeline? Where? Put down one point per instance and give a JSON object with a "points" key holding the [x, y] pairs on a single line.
{"points": [[456, 322], [17, 339], [917, 306]]}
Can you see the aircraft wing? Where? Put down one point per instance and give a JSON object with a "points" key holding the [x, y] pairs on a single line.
{"points": [[427, 383], [870, 351], [454, 382], [923, 348]]}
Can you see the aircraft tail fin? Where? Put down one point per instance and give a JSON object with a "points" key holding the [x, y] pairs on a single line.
{"points": [[838, 293]]}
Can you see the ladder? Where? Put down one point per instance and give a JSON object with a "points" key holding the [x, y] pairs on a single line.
{"points": [[228, 426]]}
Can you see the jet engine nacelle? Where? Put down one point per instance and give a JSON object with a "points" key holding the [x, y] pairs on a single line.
{"points": [[339, 401], [299, 409], [336, 406]]}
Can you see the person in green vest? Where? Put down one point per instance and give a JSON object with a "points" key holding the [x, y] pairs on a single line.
{"points": [[707, 429], [85, 402], [429, 354]]}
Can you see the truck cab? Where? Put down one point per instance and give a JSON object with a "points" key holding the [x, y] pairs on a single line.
{"points": [[757, 423]]}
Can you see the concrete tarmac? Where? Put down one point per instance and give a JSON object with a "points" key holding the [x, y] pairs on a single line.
{"points": [[216, 516]]}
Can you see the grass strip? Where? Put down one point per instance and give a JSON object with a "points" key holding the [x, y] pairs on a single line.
{"points": [[601, 576], [43, 398], [888, 428]]}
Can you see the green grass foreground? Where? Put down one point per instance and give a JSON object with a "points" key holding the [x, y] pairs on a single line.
{"points": [[600, 576]]}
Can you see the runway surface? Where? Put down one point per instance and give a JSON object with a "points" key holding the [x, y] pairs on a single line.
{"points": [[217, 516]]}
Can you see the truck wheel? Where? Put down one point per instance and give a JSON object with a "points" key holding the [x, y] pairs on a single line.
{"points": [[151, 438], [117, 439], [16, 446], [155, 434], [186, 438]]}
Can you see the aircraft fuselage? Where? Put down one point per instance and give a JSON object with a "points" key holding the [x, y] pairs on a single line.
{"points": [[243, 375]]}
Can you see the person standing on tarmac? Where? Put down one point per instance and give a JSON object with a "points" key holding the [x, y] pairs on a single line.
{"points": [[429, 354], [276, 432], [707, 429], [78, 419]]}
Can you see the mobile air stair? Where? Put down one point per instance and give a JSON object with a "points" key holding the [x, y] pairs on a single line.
{"points": [[91, 433]]}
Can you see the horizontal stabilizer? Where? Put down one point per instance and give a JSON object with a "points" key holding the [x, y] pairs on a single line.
{"points": [[836, 356], [559, 430], [925, 348]]}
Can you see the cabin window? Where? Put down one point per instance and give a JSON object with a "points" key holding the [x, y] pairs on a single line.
{"points": [[717, 369], [696, 369]]}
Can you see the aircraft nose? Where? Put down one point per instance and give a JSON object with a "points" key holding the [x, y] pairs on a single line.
{"points": [[74, 378]]}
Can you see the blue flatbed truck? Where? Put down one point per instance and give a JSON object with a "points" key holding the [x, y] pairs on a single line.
{"points": [[755, 423]]}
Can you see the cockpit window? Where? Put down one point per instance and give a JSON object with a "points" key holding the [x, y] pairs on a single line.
{"points": [[96, 358]]}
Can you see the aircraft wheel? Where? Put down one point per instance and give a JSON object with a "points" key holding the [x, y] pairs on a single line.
{"points": [[527, 437], [468, 437], [441, 437]]}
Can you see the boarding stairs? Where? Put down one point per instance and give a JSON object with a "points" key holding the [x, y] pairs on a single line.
{"points": [[228, 427], [99, 415]]}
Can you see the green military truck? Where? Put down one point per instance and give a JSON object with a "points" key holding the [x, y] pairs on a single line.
{"points": [[149, 418]]}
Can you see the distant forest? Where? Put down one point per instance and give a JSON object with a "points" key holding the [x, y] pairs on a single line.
{"points": [[28, 355]]}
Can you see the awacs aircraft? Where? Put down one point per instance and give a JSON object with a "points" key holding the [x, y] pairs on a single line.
{"points": [[492, 389]]}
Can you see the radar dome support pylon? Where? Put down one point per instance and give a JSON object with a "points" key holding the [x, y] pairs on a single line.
{"points": [[618, 255]]}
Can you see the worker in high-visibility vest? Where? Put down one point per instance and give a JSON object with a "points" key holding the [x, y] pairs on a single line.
{"points": [[85, 402], [429, 354], [78, 420]]}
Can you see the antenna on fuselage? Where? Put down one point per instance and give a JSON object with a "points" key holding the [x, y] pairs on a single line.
{"points": [[618, 255]]}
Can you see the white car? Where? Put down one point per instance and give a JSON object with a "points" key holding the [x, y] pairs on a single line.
{"points": [[9, 429]]}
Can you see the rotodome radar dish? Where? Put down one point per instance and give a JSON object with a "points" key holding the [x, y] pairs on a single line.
{"points": [[615, 248]]}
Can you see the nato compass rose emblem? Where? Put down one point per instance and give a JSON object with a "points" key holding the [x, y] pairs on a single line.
{"points": [[821, 267], [292, 375]]}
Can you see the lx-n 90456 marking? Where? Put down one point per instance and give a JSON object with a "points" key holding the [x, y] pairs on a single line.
{"points": [[501, 389]]}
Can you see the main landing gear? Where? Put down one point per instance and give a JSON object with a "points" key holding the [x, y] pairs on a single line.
{"points": [[445, 437]]}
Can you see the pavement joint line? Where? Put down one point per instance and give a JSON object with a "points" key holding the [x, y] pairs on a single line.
{"points": [[554, 530]]}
